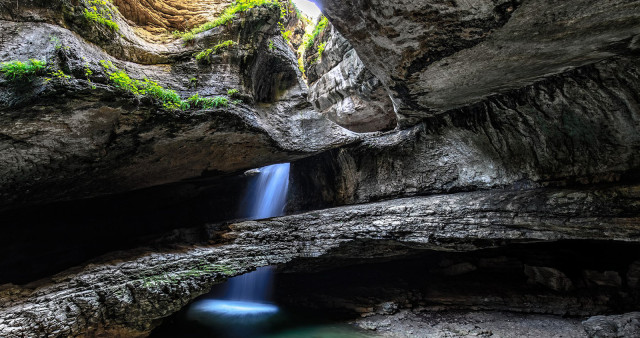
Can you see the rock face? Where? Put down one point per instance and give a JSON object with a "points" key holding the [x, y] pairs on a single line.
{"points": [[129, 293], [581, 127], [342, 88], [505, 157], [160, 16], [75, 137], [627, 325], [434, 56]]}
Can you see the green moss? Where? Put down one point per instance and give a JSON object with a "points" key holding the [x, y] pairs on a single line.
{"points": [[232, 92], [169, 98], [271, 45], [60, 75], [16, 70], [203, 268], [287, 36], [320, 27], [205, 55], [100, 12], [196, 101], [227, 16], [301, 65]]}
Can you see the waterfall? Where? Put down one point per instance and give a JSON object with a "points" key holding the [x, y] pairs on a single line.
{"points": [[268, 192], [247, 296]]}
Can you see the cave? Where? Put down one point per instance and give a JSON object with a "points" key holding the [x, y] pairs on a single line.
{"points": [[294, 168]]}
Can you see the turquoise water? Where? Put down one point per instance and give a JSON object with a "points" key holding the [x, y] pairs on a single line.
{"points": [[282, 323]]}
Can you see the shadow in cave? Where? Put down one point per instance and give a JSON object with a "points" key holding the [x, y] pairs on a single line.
{"points": [[41, 240], [364, 278]]}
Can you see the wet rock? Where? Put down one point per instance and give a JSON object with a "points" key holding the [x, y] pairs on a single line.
{"points": [[470, 324], [549, 277], [604, 278], [626, 325], [342, 88], [434, 56], [633, 275], [99, 295]]}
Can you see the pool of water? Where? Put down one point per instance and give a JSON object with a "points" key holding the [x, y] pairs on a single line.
{"points": [[228, 319]]}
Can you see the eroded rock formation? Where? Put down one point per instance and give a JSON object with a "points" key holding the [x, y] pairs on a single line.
{"points": [[505, 151], [434, 56], [126, 294], [343, 88], [65, 138]]}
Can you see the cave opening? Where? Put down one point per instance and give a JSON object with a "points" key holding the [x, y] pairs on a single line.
{"points": [[550, 286]]}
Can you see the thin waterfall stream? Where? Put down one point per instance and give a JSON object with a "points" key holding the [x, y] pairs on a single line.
{"points": [[248, 295], [243, 307]]}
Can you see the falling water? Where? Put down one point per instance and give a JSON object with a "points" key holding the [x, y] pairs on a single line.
{"points": [[268, 193], [247, 296]]}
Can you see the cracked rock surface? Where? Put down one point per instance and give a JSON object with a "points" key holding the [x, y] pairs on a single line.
{"points": [[130, 293]]}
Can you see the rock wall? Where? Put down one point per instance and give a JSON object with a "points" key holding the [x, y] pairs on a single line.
{"points": [[580, 127], [76, 136], [341, 87], [434, 56], [128, 293]]}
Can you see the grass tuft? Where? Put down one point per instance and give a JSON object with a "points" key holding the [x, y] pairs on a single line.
{"points": [[101, 12], [16, 70], [226, 16], [169, 98], [205, 55]]}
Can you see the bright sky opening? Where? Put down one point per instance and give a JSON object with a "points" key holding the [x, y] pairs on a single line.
{"points": [[309, 8]]}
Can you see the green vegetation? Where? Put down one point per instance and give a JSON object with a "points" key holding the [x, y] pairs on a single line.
{"points": [[88, 72], [196, 101], [271, 45], [16, 70], [232, 92], [169, 98], [101, 12], [301, 65], [193, 83], [206, 54], [204, 268], [227, 16], [56, 42], [311, 39], [59, 74], [287, 36]]}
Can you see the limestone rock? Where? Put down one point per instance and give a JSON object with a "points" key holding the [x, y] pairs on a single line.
{"points": [[626, 325], [567, 130], [434, 56], [342, 88], [97, 298], [549, 277], [77, 137]]}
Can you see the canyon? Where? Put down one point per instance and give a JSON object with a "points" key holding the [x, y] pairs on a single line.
{"points": [[458, 168]]}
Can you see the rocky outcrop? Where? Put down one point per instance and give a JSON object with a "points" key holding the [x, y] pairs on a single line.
{"points": [[626, 325], [577, 128], [434, 56], [131, 292], [163, 16], [470, 324], [75, 135], [342, 88]]}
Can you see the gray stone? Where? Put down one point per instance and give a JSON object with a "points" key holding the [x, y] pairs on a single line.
{"points": [[567, 130], [625, 325], [97, 297], [549, 277], [343, 89], [434, 56]]}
